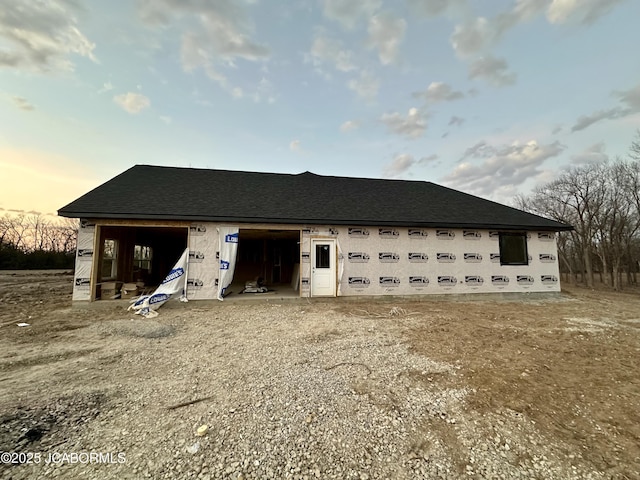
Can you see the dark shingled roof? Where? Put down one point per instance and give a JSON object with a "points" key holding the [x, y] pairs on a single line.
{"points": [[167, 193]]}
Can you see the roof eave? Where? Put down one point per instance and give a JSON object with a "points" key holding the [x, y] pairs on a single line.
{"points": [[308, 221]]}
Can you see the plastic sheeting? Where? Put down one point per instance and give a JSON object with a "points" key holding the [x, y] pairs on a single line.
{"points": [[228, 240], [340, 267], [204, 262], [175, 282], [84, 260]]}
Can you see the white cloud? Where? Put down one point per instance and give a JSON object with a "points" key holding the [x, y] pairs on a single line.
{"points": [[264, 92], [581, 11], [386, 33], [106, 87], [366, 85], [479, 150], [473, 37], [295, 146], [631, 97], [522, 11], [224, 29], [349, 126], [560, 10], [593, 154], [399, 165], [166, 119], [193, 57], [630, 100], [22, 103], [218, 34], [502, 168], [349, 12], [585, 121], [132, 102], [439, 92], [493, 70], [42, 36], [433, 8], [325, 49], [428, 159], [412, 126], [480, 34]]}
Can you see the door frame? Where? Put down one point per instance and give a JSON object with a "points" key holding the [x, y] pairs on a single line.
{"points": [[333, 264]]}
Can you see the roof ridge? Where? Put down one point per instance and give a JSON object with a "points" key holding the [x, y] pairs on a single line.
{"points": [[306, 172]]}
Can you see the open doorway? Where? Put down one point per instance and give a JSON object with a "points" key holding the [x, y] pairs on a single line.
{"points": [[140, 256], [268, 256]]}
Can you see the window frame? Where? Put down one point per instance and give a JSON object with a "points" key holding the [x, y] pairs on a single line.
{"points": [[140, 259], [523, 236], [110, 258]]}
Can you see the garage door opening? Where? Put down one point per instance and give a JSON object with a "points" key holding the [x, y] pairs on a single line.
{"points": [[271, 257], [140, 256]]}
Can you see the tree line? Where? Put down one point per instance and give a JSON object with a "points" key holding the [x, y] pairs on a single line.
{"points": [[36, 241], [602, 202]]}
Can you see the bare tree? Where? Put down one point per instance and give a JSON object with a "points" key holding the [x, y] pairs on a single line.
{"points": [[575, 198], [616, 224], [66, 234], [630, 180], [634, 149], [35, 231], [602, 203], [4, 229], [14, 231]]}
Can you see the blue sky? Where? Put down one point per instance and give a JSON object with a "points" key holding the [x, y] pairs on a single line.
{"points": [[488, 97]]}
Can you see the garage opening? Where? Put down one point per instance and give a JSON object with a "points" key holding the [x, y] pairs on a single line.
{"points": [[270, 257], [135, 260]]}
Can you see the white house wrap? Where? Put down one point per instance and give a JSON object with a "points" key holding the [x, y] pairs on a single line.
{"points": [[175, 282], [228, 242], [84, 260]]}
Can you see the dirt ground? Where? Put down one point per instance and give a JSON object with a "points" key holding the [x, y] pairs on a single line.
{"points": [[527, 388]]}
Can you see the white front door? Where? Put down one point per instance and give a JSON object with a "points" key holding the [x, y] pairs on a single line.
{"points": [[323, 268]]}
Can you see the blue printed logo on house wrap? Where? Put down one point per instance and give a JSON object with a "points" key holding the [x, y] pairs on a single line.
{"points": [[224, 265], [173, 274], [140, 300], [231, 238], [158, 297]]}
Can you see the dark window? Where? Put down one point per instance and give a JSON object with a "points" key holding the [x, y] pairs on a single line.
{"points": [[322, 256], [513, 249]]}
